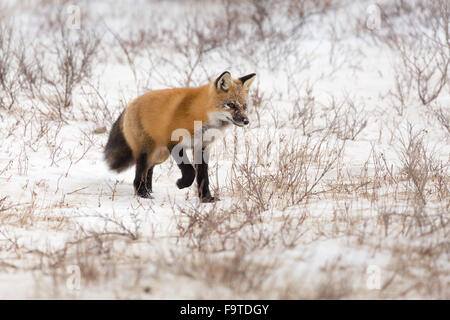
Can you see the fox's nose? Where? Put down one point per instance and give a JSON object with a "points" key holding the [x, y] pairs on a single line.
{"points": [[245, 121]]}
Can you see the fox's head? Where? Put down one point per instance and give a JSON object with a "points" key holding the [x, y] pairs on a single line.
{"points": [[231, 99]]}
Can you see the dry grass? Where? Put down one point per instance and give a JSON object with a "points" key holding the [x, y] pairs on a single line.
{"points": [[329, 180]]}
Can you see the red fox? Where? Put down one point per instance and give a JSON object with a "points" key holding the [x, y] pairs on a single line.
{"points": [[143, 132]]}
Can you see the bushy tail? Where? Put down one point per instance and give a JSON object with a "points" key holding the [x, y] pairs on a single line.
{"points": [[118, 154]]}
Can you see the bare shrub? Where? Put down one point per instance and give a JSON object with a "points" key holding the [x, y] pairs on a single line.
{"points": [[416, 161], [347, 120], [429, 71], [419, 168], [252, 27], [400, 96], [138, 47], [192, 48], [10, 77], [204, 225], [424, 68], [120, 228], [291, 171], [98, 108], [74, 54], [298, 218], [443, 116], [238, 270], [303, 112]]}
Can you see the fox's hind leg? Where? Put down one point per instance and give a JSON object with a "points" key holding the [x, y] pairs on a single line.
{"points": [[141, 178], [145, 163], [187, 170]]}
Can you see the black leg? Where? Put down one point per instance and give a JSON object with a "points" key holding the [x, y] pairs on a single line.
{"points": [[140, 178], [203, 179], [148, 181], [187, 170]]}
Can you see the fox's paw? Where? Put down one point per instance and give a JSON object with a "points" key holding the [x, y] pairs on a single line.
{"points": [[181, 183], [209, 199], [144, 194]]}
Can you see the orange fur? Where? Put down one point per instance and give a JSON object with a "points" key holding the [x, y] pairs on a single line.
{"points": [[150, 119]]}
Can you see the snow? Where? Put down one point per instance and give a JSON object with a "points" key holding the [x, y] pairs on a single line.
{"points": [[60, 205]]}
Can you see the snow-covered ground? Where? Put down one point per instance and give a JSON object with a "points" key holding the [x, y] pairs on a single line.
{"points": [[339, 188]]}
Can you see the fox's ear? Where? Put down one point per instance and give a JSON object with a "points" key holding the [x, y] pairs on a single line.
{"points": [[223, 82], [247, 80]]}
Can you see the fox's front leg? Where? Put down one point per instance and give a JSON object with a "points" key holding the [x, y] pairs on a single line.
{"points": [[187, 170], [203, 179]]}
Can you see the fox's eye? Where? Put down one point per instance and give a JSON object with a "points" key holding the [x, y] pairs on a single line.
{"points": [[229, 106]]}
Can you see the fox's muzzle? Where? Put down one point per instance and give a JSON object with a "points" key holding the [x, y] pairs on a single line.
{"points": [[239, 119]]}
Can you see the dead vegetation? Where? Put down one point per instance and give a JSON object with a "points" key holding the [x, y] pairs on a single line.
{"points": [[327, 182]]}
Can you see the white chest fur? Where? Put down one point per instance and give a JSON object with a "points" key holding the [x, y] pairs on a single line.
{"points": [[218, 121]]}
